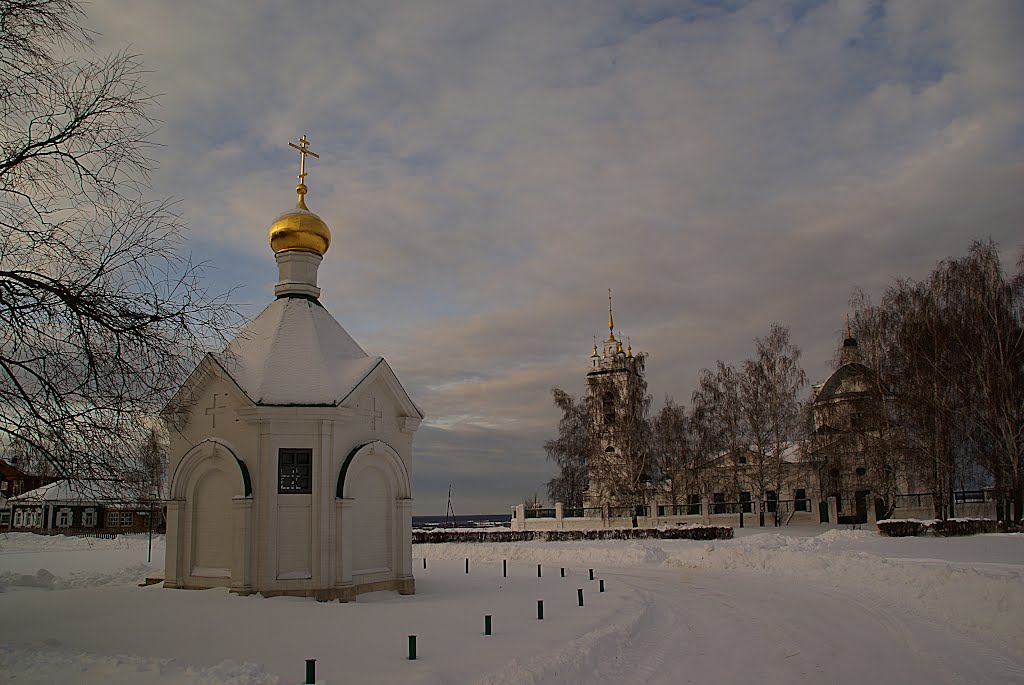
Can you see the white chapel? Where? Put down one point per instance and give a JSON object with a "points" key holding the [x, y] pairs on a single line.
{"points": [[291, 449]]}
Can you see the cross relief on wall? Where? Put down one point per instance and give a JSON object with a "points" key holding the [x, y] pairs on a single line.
{"points": [[217, 407], [374, 414]]}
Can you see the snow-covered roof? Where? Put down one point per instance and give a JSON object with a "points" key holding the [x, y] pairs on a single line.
{"points": [[837, 384], [67, 491], [295, 353], [791, 453]]}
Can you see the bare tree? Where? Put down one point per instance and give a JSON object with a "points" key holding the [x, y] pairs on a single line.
{"points": [[986, 334], [947, 354], [874, 432], [926, 384], [671, 450], [777, 370], [102, 314], [717, 422], [571, 450], [762, 469], [151, 471]]}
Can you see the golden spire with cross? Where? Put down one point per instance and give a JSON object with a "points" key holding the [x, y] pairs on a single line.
{"points": [[300, 229], [303, 148], [611, 321]]}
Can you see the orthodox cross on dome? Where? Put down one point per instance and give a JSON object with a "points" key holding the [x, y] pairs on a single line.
{"points": [[303, 148], [214, 409]]}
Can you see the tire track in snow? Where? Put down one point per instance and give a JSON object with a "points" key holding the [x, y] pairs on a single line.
{"points": [[580, 656], [699, 628]]}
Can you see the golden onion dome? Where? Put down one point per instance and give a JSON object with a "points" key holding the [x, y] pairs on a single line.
{"points": [[300, 229]]}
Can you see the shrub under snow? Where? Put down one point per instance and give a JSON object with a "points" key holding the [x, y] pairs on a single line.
{"points": [[681, 533], [964, 527], [900, 528]]}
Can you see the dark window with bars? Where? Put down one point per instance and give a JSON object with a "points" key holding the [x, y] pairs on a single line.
{"points": [[294, 471]]}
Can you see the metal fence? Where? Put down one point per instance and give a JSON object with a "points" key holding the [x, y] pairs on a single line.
{"points": [[914, 500], [628, 512], [732, 507], [976, 496], [583, 512], [680, 509]]}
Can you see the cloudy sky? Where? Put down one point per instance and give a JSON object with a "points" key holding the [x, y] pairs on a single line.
{"points": [[489, 169]]}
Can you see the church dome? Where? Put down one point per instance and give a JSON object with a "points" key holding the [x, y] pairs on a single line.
{"points": [[300, 229]]}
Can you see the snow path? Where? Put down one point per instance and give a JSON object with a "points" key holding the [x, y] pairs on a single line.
{"points": [[706, 628]]}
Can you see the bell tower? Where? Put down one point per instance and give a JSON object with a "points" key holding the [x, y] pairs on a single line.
{"points": [[615, 384]]}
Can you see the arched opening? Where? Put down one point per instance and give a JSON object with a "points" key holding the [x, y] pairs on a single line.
{"points": [[375, 485], [212, 528], [202, 536], [373, 512]]}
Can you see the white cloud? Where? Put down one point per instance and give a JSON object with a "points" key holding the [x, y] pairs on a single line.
{"points": [[488, 169]]}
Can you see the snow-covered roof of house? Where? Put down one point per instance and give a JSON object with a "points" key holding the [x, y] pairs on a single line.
{"points": [[10, 471], [791, 453], [79, 492], [296, 353]]}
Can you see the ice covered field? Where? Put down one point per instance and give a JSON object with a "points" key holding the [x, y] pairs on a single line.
{"points": [[840, 607]]}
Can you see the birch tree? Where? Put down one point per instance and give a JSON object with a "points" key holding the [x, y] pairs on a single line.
{"points": [[672, 451], [571, 450], [102, 312]]}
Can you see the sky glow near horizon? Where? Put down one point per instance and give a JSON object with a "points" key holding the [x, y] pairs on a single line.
{"points": [[489, 169]]}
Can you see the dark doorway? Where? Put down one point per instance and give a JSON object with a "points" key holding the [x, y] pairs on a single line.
{"points": [[693, 507], [860, 499]]}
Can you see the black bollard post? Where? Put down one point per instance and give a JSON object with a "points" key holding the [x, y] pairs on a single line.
{"points": [[563, 572], [602, 584], [467, 565], [504, 568], [538, 570], [579, 595], [412, 648], [424, 562], [741, 516], [310, 671], [487, 624], [540, 609], [591, 574]]}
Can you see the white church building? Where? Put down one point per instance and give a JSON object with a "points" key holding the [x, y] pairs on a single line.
{"points": [[291, 449]]}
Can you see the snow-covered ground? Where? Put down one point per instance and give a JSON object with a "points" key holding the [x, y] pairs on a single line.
{"points": [[787, 605]]}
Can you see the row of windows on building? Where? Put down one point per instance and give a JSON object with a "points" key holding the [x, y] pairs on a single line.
{"points": [[33, 518], [719, 505]]}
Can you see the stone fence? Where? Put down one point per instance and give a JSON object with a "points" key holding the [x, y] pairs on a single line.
{"points": [[707, 512], [967, 504]]}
